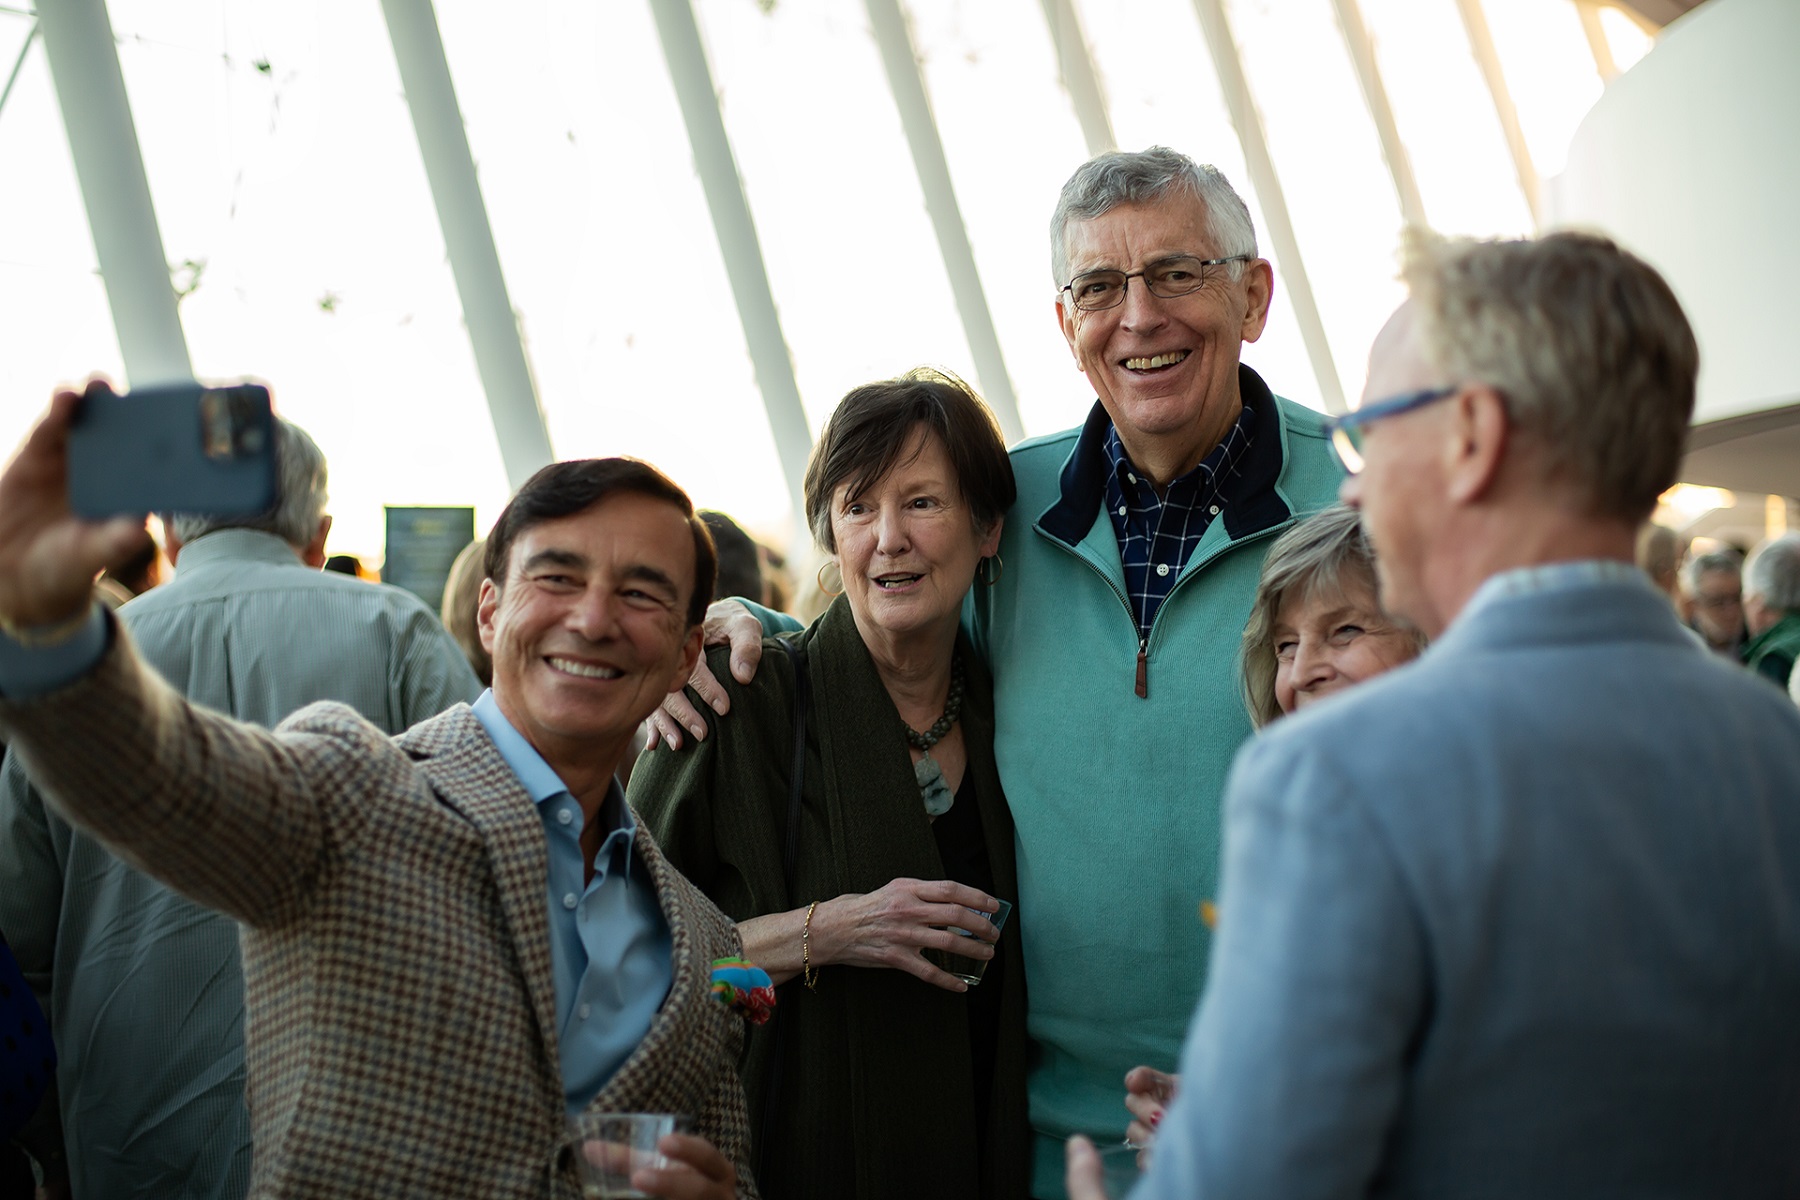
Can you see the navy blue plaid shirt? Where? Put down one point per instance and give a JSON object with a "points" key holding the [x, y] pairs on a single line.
{"points": [[1158, 534]]}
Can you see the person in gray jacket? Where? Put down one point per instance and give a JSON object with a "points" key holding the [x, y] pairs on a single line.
{"points": [[144, 988], [1521, 918]]}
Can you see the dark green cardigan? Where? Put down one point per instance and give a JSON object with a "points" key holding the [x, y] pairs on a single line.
{"points": [[1772, 652], [877, 1097]]}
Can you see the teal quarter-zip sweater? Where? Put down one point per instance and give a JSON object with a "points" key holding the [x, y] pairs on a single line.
{"points": [[1114, 752]]}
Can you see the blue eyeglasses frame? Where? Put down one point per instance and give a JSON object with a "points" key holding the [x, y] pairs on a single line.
{"points": [[1347, 443]]}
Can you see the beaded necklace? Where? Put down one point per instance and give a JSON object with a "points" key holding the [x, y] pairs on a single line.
{"points": [[930, 777]]}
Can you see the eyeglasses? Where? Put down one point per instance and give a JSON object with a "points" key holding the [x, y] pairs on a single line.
{"points": [[1170, 277], [1346, 431]]}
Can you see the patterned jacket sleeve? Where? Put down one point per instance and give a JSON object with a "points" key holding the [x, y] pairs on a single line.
{"points": [[230, 815]]}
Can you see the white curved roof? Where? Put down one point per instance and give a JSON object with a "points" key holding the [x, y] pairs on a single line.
{"points": [[292, 199]]}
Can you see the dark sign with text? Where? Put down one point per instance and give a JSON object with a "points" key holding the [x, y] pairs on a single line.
{"points": [[421, 545]]}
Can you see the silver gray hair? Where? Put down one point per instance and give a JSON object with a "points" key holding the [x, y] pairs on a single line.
{"points": [[1773, 573], [1706, 564], [300, 495], [1106, 181]]}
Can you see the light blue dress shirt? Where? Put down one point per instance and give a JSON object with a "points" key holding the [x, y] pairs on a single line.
{"points": [[609, 944], [27, 672]]}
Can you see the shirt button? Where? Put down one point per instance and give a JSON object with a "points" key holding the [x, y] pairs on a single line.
{"points": [[569, 900], [1162, 568], [565, 816], [1214, 510], [582, 1012], [1122, 510], [1131, 477]]}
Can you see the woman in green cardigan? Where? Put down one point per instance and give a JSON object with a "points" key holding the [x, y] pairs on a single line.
{"points": [[882, 1076]]}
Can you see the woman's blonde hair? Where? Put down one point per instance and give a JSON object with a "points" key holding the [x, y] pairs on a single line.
{"points": [[1317, 557]]}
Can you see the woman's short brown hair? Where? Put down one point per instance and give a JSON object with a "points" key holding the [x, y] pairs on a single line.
{"points": [[871, 427]]}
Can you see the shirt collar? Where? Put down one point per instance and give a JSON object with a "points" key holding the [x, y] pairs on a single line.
{"points": [[1552, 577], [1128, 475], [235, 546], [540, 782]]}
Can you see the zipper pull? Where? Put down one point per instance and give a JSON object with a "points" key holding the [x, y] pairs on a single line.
{"points": [[1143, 674]]}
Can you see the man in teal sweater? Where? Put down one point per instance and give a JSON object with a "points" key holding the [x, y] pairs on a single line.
{"points": [[1130, 560]]}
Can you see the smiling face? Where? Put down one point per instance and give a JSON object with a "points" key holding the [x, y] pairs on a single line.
{"points": [[591, 631], [1331, 640], [907, 546], [1165, 369]]}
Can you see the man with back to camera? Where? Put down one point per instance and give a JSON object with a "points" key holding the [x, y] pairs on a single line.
{"points": [[454, 940], [144, 987], [1521, 918], [1130, 560]]}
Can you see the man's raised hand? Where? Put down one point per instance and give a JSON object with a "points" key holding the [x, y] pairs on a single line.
{"points": [[49, 556]]}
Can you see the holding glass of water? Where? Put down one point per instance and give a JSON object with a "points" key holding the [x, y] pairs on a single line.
{"points": [[609, 1147]]}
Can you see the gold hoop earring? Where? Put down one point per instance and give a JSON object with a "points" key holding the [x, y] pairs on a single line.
{"points": [[823, 586], [989, 576]]}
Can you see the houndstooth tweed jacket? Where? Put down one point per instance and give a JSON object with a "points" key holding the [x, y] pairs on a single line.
{"points": [[400, 1031]]}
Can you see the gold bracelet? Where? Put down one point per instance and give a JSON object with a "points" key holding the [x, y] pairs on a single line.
{"points": [[806, 972], [42, 637]]}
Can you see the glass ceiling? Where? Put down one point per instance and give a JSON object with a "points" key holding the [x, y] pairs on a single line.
{"points": [[298, 222]]}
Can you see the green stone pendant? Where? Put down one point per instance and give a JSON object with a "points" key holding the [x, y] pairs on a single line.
{"points": [[932, 788]]}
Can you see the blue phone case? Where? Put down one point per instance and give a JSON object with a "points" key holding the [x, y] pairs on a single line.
{"points": [[179, 448]]}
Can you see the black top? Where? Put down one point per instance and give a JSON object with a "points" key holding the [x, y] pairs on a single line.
{"points": [[878, 1083], [963, 847]]}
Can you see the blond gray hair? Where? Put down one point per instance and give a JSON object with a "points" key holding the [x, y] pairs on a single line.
{"points": [[1585, 341], [1320, 557]]}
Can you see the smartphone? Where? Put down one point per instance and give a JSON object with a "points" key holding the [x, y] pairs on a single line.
{"points": [[183, 448]]}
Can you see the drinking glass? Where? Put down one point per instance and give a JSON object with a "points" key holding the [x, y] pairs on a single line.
{"points": [[965, 968], [608, 1147]]}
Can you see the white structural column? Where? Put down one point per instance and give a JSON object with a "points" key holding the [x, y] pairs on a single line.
{"points": [[893, 37], [1248, 123], [1589, 12], [12, 76], [84, 65], [1481, 42], [469, 239], [1076, 64], [738, 243], [1368, 77]]}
